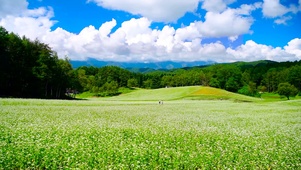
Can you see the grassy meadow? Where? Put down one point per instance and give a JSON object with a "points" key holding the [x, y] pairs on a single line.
{"points": [[132, 131]]}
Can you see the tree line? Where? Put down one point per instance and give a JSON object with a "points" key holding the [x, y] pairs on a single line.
{"points": [[248, 78], [32, 69]]}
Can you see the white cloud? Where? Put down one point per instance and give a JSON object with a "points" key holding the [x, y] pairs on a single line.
{"points": [[12, 7], [106, 28], [246, 10], [187, 33], [251, 51], [230, 23], [135, 40], [294, 47], [145, 44], [33, 23], [214, 5], [165, 38], [283, 19], [155, 10], [225, 24], [274, 9], [136, 30]]}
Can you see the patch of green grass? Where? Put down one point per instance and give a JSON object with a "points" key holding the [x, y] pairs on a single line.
{"points": [[125, 90], [189, 93], [181, 134], [272, 97], [85, 95], [210, 93], [176, 93], [157, 94]]}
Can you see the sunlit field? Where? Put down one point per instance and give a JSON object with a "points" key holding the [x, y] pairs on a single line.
{"points": [[180, 134]]}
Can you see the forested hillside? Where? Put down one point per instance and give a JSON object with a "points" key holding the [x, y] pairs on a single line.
{"points": [[32, 69], [245, 78]]}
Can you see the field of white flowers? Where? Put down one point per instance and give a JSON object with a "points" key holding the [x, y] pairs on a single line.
{"points": [[180, 134]]}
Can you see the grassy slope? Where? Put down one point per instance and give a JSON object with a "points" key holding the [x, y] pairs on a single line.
{"points": [[191, 92], [157, 94], [215, 93]]}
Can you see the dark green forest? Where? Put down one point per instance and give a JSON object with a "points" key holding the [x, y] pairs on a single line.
{"points": [[31, 69]]}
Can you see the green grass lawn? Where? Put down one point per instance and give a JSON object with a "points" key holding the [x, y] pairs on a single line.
{"points": [[176, 93], [116, 133], [271, 97], [157, 94]]}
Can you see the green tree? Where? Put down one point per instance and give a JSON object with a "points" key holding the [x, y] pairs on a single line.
{"points": [[232, 85], [4, 62], [245, 78], [214, 82], [271, 80], [110, 89], [132, 82], [249, 89], [194, 77], [252, 89], [31, 68], [205, 78], [294, 76], [63, 76], [148, 83], [82, 79], [167, 81], [225, 72], [287, 90]]}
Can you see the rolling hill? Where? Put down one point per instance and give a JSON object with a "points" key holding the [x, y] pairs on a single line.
{"points": [[187, 93]]}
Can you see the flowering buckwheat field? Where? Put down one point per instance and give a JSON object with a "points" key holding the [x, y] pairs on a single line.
{"points": [[180, 134]]}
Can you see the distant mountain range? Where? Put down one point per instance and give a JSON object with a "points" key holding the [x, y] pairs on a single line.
{"points": [[164, 65]]}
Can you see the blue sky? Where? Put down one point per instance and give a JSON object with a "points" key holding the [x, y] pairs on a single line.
{"points": [[154, 30]]}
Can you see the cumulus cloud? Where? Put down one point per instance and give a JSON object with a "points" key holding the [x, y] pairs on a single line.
{"points": [[230, 23], [15, 7], [216, 5], [32, 23], [187, 33], [155, 10], [225, 24], [253, 51], [294, 47], [274, 9], [135, 40]]}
